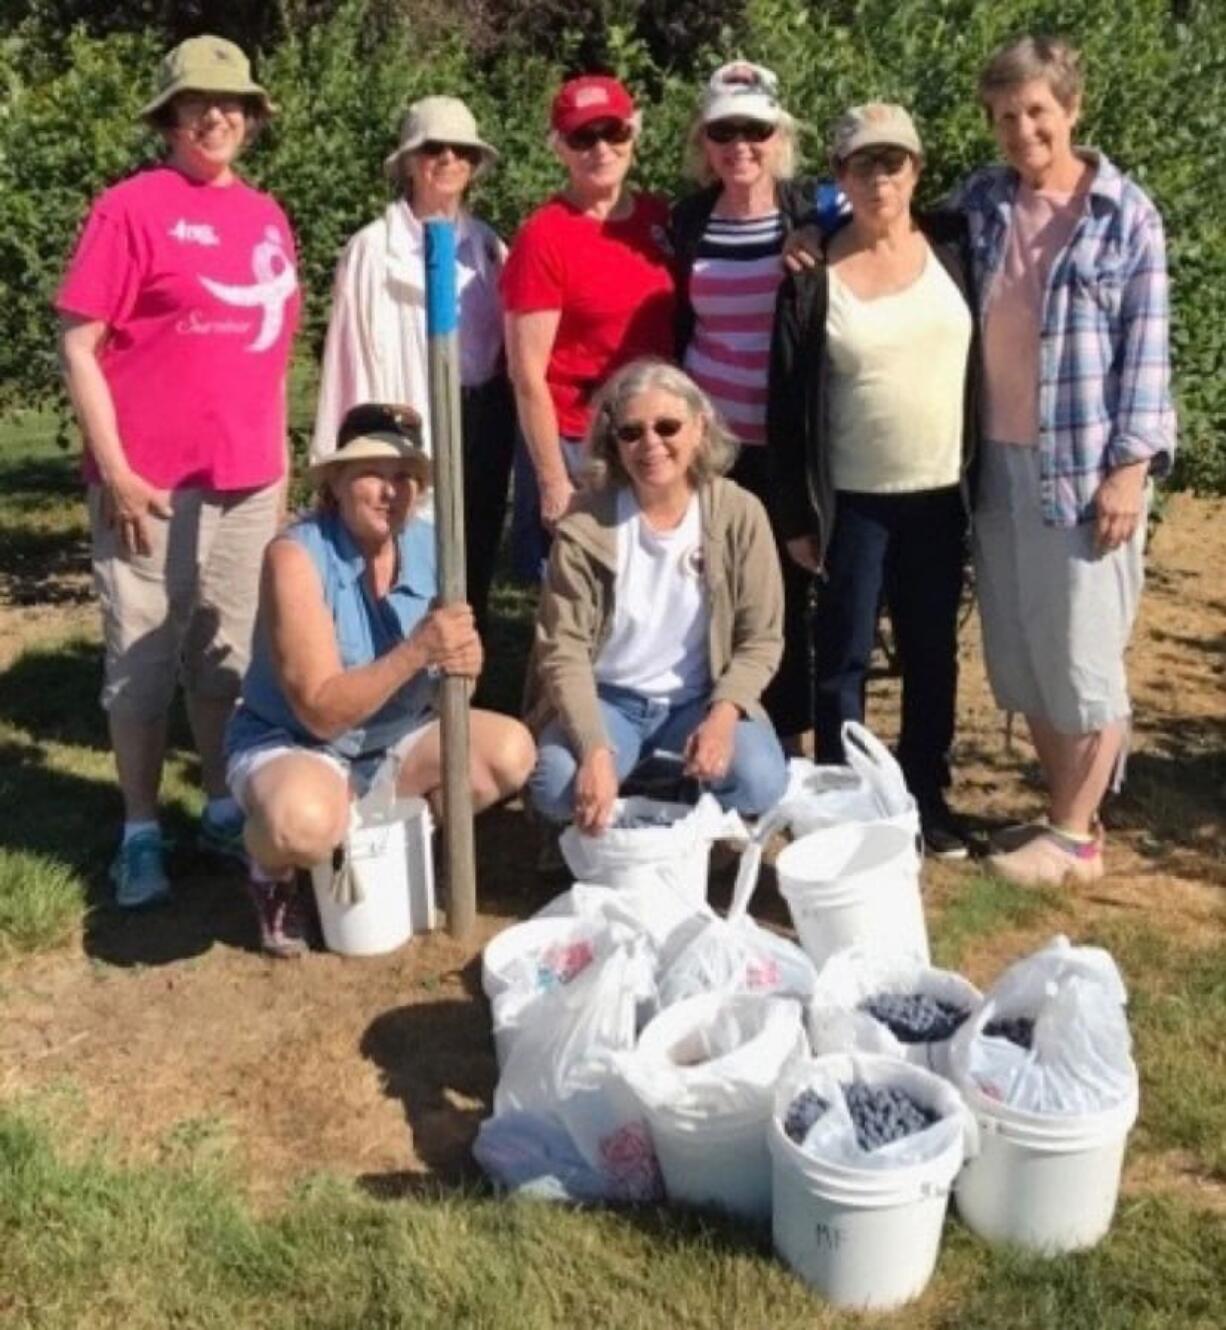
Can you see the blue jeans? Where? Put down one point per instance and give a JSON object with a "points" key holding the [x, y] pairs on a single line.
{"points": [[640, 727]]}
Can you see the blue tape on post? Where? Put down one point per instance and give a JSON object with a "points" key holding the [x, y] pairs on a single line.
{"points": [[441, 312]]}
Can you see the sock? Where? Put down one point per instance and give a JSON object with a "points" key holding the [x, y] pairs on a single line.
{"points": [[133, 829], [225, 809]]}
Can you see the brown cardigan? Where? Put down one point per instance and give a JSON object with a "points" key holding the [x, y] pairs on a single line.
{"points": [[744, 587]]}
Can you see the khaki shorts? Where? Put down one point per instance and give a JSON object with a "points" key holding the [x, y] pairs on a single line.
{"points": [[186, 610], [1056, 614]]}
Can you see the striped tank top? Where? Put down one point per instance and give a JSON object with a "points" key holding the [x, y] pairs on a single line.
{"points": [[737, 271]]}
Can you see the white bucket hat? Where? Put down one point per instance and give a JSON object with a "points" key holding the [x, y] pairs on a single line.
{"points": [[741, 91], [439, 120]]}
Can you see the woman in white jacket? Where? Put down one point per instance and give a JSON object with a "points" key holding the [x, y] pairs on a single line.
{"points": [[376, 343]]}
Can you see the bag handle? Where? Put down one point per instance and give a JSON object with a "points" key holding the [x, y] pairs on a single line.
{"points": [[871, 760], [750, 867]]}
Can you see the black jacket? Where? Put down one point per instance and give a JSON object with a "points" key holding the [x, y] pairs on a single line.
{"points": [[796, 425], [688, 222]]}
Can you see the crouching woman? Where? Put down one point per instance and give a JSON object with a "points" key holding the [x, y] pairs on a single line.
{"points": [[347, 656], [660, 622]]}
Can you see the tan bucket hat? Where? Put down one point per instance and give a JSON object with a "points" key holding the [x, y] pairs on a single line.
{"points": [[205, 64], [439, 120], [377, 430]]}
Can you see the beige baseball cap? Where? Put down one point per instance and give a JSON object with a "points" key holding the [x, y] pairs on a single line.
{"points": [[205, 64], [874, 125], [377, 430], [439, 120]]}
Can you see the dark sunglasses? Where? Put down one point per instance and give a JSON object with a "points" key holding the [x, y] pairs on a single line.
{"points": [[616, 132], [728, 131], [631, 431], [465, 151], [888, 160]]}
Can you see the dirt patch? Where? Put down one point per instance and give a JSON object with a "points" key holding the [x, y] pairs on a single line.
{"points": [[382, 1069]]}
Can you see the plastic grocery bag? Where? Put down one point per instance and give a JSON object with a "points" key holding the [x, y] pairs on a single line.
{"points": [[535, 1156], [832, 1136], [736, 955], [870, 788], [1080, 1058], [660, 913], [704, 1072], [558, 1068], [838, 1023], [653, 843]]}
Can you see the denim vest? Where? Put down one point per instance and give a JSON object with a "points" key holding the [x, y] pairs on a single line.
{"points": [[365, 630]]}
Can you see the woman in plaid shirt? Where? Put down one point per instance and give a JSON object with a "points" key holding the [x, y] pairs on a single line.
{"points": [[1071, 268]]}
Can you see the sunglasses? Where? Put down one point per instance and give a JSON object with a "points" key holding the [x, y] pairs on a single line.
{"points": [[465, 151], [192, 105], [890, 161], [728, 131], [665, 427], [586, 138]]}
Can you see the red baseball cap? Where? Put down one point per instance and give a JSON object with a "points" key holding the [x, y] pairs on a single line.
{"points": [[589, 97]]}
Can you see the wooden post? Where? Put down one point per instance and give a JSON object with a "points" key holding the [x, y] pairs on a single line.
{"points": [[447, 448]]}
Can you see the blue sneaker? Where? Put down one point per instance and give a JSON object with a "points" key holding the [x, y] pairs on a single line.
{"points": [[139, 873], [222, 836]]}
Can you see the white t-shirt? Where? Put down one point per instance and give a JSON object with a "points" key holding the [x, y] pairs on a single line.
{"points": [[897, 382], [658, 644]]}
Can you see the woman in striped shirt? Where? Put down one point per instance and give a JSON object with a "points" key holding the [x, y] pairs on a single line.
{"points": [[729, 239]]}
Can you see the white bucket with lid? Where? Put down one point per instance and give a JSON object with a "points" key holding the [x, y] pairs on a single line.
{"points": [[389, 855], [705, 1071], [1046, 1182], [857, 884], [866, 1237]]}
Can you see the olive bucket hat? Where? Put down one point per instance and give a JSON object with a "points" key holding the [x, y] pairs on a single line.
{"points": [[205, 64]]}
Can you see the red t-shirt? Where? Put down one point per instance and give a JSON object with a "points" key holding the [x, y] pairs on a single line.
{"points": [[612, 281], [198, 286]]}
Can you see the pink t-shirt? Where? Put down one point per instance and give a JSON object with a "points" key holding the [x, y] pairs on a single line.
{"points": [[1041, 226], [198, 286]]}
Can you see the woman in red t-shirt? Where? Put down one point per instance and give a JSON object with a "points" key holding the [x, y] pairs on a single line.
{"points": [[588, 285], [177, 313]]}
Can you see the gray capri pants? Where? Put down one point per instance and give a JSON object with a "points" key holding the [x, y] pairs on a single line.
{"points": [[1056, 614]]}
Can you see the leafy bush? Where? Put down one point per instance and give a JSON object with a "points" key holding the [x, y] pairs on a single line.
{"points": [[345, 68]]}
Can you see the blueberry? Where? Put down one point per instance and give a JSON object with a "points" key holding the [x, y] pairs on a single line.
{"points": [[883, 1113], [914, 1018], [1017, 1030], [802, 1113]]}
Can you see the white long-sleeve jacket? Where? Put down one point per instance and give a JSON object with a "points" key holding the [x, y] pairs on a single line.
{"points": [[376, 345]]}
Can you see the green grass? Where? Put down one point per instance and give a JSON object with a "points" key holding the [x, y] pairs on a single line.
{"points": [[984, 905], [40, 902]]}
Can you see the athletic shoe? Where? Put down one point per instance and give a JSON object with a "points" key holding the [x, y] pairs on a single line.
{"points": [[222, 836], [1050, 859], [139, 872], [282, 913], [943, 833]]}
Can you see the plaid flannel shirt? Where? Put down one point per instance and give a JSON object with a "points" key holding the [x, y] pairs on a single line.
{"points": [[1104, 356]]}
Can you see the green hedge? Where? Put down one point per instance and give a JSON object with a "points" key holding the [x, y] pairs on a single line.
{"points": [[1154, 104]]}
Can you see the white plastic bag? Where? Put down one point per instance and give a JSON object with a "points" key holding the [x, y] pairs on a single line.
{"points": [[837, 1022], [1080, 1059], [656, 843], [735, 955], [832, 1137], [559, 1067], [704, 1072], [660, 913]]}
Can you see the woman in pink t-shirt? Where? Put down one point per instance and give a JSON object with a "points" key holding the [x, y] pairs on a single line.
{"points": [[587, 287], [177, 312]]}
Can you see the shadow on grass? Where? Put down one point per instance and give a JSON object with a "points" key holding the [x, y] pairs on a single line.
{"points": [[52, 694], [44, 546], [437, 1060]]}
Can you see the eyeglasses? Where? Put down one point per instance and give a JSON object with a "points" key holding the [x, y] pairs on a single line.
{"points": [[464, 151], [192, 105], [728, 131], [890, 161], [587, 137], [665, 427]]}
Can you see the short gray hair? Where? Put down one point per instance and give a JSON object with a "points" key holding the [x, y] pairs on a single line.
{"points": [[1024, 59], [716, 453], [698, 167]]}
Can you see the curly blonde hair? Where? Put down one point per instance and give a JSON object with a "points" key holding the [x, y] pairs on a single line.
{"points": [[716, 453]]}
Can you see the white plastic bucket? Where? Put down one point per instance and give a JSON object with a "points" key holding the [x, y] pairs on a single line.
{"points": [[708, 1121], [864, 1237], [1045, 1182], [855, 885], [390, 856]]}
